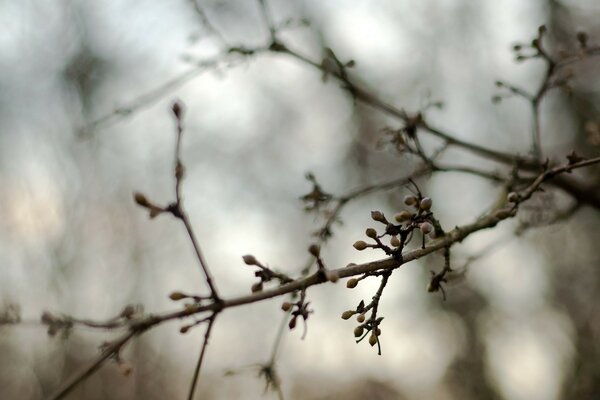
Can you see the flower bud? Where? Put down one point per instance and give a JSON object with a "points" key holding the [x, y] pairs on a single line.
{"points": [[360, 245], [314, 249], [378, 216], [250, 259], [348, 314], [141, 200], [360, 318], [426, 227], [372, 233], [177, 296], [403, 216], [426, 203], [286, 306], [373, 339], [512, 197], [292, 323], [410, 200], [352, 282], [395, 242], [358, 331], [184, 329]]}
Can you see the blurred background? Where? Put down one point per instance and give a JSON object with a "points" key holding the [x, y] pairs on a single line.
{"points": [[85, 92]]}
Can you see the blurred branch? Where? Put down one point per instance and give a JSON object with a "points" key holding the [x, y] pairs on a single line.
{"points": [[457, 235]]}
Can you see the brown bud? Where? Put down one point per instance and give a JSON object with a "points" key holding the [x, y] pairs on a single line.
{"points": [[177, 109], [48, 318], [184, 329], [360, 318], [314, 249], [378, 216], [286, 306], [250, 259], [292, 323], [177, 296], [373, 339], [395, 242], [370, 232], [360, 245], [512, 197], [141, 200], [426, 227], [410, 200], [352, 282], [348, 314], [403, 216], [425, 204], [358, 331]]}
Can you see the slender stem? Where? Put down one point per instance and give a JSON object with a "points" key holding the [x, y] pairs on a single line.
{"points": [[86, 372], [211, 322]]}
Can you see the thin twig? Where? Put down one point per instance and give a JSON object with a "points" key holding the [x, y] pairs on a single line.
{"points": [[211, 322], [456, 235]]}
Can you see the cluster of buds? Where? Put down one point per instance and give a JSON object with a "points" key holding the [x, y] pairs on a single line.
{"points": [[406, 222], [298, 309], [316, 197], [57, 324], [264, 274], [366, 327], [532, 50]]}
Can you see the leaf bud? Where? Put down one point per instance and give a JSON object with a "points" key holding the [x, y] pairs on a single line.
{"points": [[395, 242], [352, 283], [426, 203], [360, 318], [360, 245], [286, 306], [348, 314]]}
